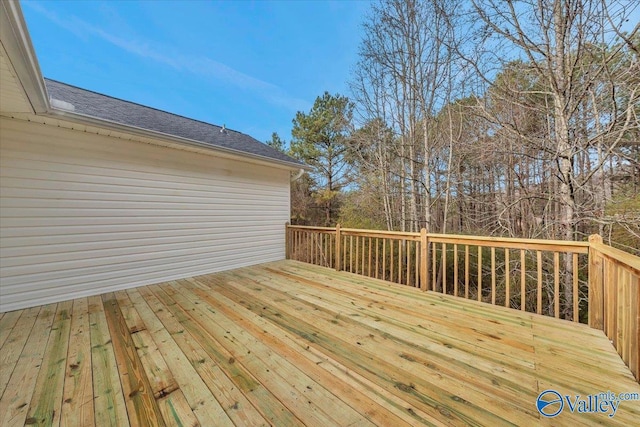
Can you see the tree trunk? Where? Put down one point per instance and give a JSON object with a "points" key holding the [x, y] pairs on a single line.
{"points": [[427, 176], [565, 156]]}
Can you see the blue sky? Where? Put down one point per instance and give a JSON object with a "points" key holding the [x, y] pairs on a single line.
{"points": [[250, 65]]}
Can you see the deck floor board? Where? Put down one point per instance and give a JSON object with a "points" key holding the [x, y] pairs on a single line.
{"points": [[288, 343]]}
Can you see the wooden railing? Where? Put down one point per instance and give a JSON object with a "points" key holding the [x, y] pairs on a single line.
{"points": [[614, 299], [522, 274], [387, 255], [586, 282]]}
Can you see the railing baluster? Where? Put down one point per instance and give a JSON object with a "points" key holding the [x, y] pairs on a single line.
{"points": [[417, 246], [391, 263], [384, 259], [443, 264], [493, 275], [523, 280], [400, 261], [362, 256], [402, 255], [479, 273], [314, 248], [539, 301], [455, 269], [433, 267], [607, 296], [334, 251], [344, 253], [556, 284], [377, 256], [408, 262], [326, 238], [576, 297], [357, 253], [466, 271], [351, 254], [614, 312], [364, 259], [328, 250], [369, 268], [507, 278]]}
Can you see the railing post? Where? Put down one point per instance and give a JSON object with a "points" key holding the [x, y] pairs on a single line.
{"points": [[596, 285], [287, 241], [338, 248], [424, 257]]}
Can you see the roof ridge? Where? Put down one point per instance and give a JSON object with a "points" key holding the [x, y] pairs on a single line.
{"points": [[146, 106]]}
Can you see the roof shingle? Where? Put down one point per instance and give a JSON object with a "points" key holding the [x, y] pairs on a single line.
{"points": [[116, 110]]}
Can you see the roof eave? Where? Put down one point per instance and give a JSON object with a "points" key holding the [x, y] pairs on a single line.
{"points": [[119, 127], [16, 41]]}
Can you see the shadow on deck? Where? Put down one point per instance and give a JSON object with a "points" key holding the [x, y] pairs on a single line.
{"points": [[288, 343]]}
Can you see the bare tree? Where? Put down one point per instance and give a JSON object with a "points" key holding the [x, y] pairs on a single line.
{"points": [[402, 79], [570, 46]]}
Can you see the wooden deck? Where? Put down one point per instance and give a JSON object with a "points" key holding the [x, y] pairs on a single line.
{"points": [[288, 343]]}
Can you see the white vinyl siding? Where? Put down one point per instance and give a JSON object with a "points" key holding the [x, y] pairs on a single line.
{"points": [[13, 97], [84, 214]]}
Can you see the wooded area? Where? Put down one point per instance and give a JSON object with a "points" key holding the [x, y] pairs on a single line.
{"points": [[482, 117]]}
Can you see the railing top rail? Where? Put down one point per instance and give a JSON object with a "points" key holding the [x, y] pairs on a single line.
{"points": [[361, 232], [623, 258], [512, 243], [312, 228], [381, 233], [504, 242]]}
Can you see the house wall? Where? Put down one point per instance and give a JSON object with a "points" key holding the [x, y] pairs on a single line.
{"points": [[83, 214]]}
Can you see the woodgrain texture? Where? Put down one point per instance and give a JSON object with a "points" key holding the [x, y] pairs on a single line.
{"points": [[289, 343]]}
